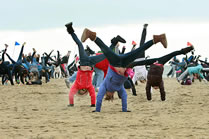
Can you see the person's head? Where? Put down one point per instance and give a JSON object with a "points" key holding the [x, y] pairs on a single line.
{"points": [[109, 96], [24, 72], [33, 75], [156, 87], [82, 92], [142, 79]]}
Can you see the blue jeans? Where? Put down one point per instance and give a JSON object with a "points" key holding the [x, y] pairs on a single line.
{"points": [[98, 77], [73, 77], [86, 60], [112, 82]]}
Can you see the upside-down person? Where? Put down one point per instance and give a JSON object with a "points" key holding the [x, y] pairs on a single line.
{"points": [[154, 77]]}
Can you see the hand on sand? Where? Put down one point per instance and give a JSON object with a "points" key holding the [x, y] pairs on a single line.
{"points": [[94, 111], [126, 111]]}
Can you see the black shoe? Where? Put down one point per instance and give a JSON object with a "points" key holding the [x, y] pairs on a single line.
{"points": [[120, 39], [145, 25], [69, 27], [92, 105], [70, 105], [117, 39], [187, 49]]}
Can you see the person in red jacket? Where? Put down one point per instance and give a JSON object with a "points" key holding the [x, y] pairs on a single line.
{"points": [[83, 82]]}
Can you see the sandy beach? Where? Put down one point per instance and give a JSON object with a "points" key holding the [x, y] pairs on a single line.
{"points": [[36, 112]]}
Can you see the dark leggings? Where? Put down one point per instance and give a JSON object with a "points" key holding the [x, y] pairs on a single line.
{"points": [[19, 60], [7, 72], [129, 84], [161, 60], [124, 59], [143, 37], [5, 69]]}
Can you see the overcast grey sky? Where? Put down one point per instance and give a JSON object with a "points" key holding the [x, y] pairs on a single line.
{"points": [[27, 15], [40, 23]]}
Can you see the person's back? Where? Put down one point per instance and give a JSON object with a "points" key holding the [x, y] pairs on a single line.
{"points": [[154, 77], [195, 69]]}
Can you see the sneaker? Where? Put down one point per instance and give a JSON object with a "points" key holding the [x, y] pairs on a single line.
{"points": [[67, 82], [187, 49], [92, 105], [145, 25], [117, 39], [70, 105]]}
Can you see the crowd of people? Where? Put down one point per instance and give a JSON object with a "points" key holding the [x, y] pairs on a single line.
{"points": [[106, 71], [29, 69]]}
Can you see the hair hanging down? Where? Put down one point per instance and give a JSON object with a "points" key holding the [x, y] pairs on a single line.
{"points": [[109, 96]]}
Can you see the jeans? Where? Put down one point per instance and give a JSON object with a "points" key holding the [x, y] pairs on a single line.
{"points": [[98, 77], [73, 77], [172, 71], [112, 82], [86, 60], [183, 76]]}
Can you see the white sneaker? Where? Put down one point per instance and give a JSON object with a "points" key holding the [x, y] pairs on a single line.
{"points": [[205, 81], [67, 82]]}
